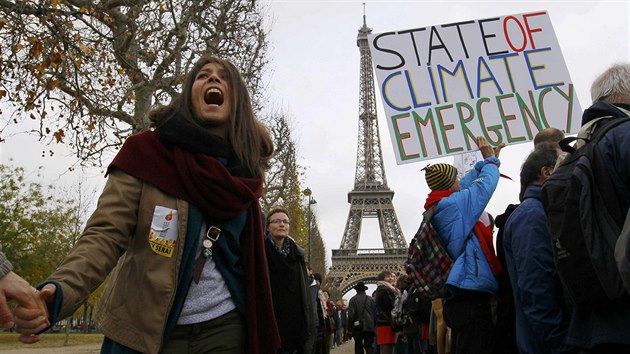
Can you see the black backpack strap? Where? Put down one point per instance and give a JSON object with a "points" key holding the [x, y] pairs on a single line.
{"points": [[564, 144]]}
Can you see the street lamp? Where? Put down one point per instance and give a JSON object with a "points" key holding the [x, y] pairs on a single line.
{"points": [[307, 192]]}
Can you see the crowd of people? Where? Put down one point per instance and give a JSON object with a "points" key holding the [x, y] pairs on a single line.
{"points": [[194, 266], [509, 299], [512, 299]]}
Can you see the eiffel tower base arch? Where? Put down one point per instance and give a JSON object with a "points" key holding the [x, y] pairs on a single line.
{"points": [[352, 266]]}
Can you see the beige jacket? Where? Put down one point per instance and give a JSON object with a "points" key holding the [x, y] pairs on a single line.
{"points": [[134, 308]]}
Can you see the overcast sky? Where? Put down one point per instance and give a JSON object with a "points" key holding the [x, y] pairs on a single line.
{"points": [[315, 79]]}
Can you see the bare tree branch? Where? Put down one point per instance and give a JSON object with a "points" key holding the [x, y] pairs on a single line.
{"points": [[90, 71]]}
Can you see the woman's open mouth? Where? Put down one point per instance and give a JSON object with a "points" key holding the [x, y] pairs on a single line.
{"points": [[213, 96]]}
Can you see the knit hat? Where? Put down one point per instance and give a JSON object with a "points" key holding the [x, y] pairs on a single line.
{"points": [[440, 176]]}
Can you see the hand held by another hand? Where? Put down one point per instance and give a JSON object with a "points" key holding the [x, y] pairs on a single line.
{"points": [[14, 288], [31, 317]]}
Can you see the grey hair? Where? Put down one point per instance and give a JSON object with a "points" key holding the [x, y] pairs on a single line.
{"points": [[613, 86]]}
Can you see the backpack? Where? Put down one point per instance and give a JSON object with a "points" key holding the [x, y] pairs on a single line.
{"points": [[584, 202], [428, 262], [622, 253]]}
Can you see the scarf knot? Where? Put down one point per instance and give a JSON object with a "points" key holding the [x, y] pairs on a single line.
{"points": [[389, 286]]}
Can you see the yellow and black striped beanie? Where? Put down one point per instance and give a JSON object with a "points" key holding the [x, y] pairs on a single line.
{"points": [[440, 176]]}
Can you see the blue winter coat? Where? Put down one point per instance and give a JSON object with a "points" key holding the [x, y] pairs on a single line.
{"points": [[542, 318], [454, 220]]}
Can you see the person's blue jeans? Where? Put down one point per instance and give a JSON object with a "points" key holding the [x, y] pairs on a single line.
{"points": [[338, 333]]}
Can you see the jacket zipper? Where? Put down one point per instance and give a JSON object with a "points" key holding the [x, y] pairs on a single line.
{"points": [[476, 265]]}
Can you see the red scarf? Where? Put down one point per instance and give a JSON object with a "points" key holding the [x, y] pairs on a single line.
{"points": [[204, 181], [482, 231]]}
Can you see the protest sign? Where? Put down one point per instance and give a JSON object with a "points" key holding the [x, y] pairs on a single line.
{"points": [[503, 78]]}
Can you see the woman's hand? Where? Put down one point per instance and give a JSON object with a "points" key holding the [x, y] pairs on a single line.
{"points": [[30, 321]]}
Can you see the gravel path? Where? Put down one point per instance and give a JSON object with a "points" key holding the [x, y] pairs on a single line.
{"points": [[346, 348], [71, 349]]}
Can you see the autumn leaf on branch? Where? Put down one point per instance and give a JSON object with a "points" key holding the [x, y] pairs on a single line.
{"points": [[59, 134]]}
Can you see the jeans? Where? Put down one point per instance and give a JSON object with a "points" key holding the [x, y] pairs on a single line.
{"points": [[338, 334], [225, 334]]}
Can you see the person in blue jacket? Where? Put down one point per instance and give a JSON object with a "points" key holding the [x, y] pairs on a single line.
{"points": [[461, 222], [542, 316]]}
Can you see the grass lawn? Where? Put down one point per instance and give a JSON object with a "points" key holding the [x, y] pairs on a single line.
{"points": [[49, 340]]}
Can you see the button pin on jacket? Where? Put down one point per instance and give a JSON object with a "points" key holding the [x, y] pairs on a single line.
{"points": [[212, 235]]}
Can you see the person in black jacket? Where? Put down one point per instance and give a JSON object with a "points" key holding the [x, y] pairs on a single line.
{"points": [[289, 286], [360, 320], [385, 297], [603, 327]]}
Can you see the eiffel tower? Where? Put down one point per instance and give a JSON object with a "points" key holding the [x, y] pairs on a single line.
{"points": [[370, 198]]}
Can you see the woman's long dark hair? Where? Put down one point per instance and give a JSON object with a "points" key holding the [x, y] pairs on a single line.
{"points": [[249, 139]]}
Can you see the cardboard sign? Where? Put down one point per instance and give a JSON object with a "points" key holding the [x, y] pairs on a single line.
{"points": [[503, 78]]}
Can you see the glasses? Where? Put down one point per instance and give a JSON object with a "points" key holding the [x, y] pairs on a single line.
{"points": [[279, 221]]}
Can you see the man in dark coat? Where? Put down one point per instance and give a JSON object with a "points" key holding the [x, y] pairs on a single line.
{"points": [[604, 327], [542, 316], [361, 321]]}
